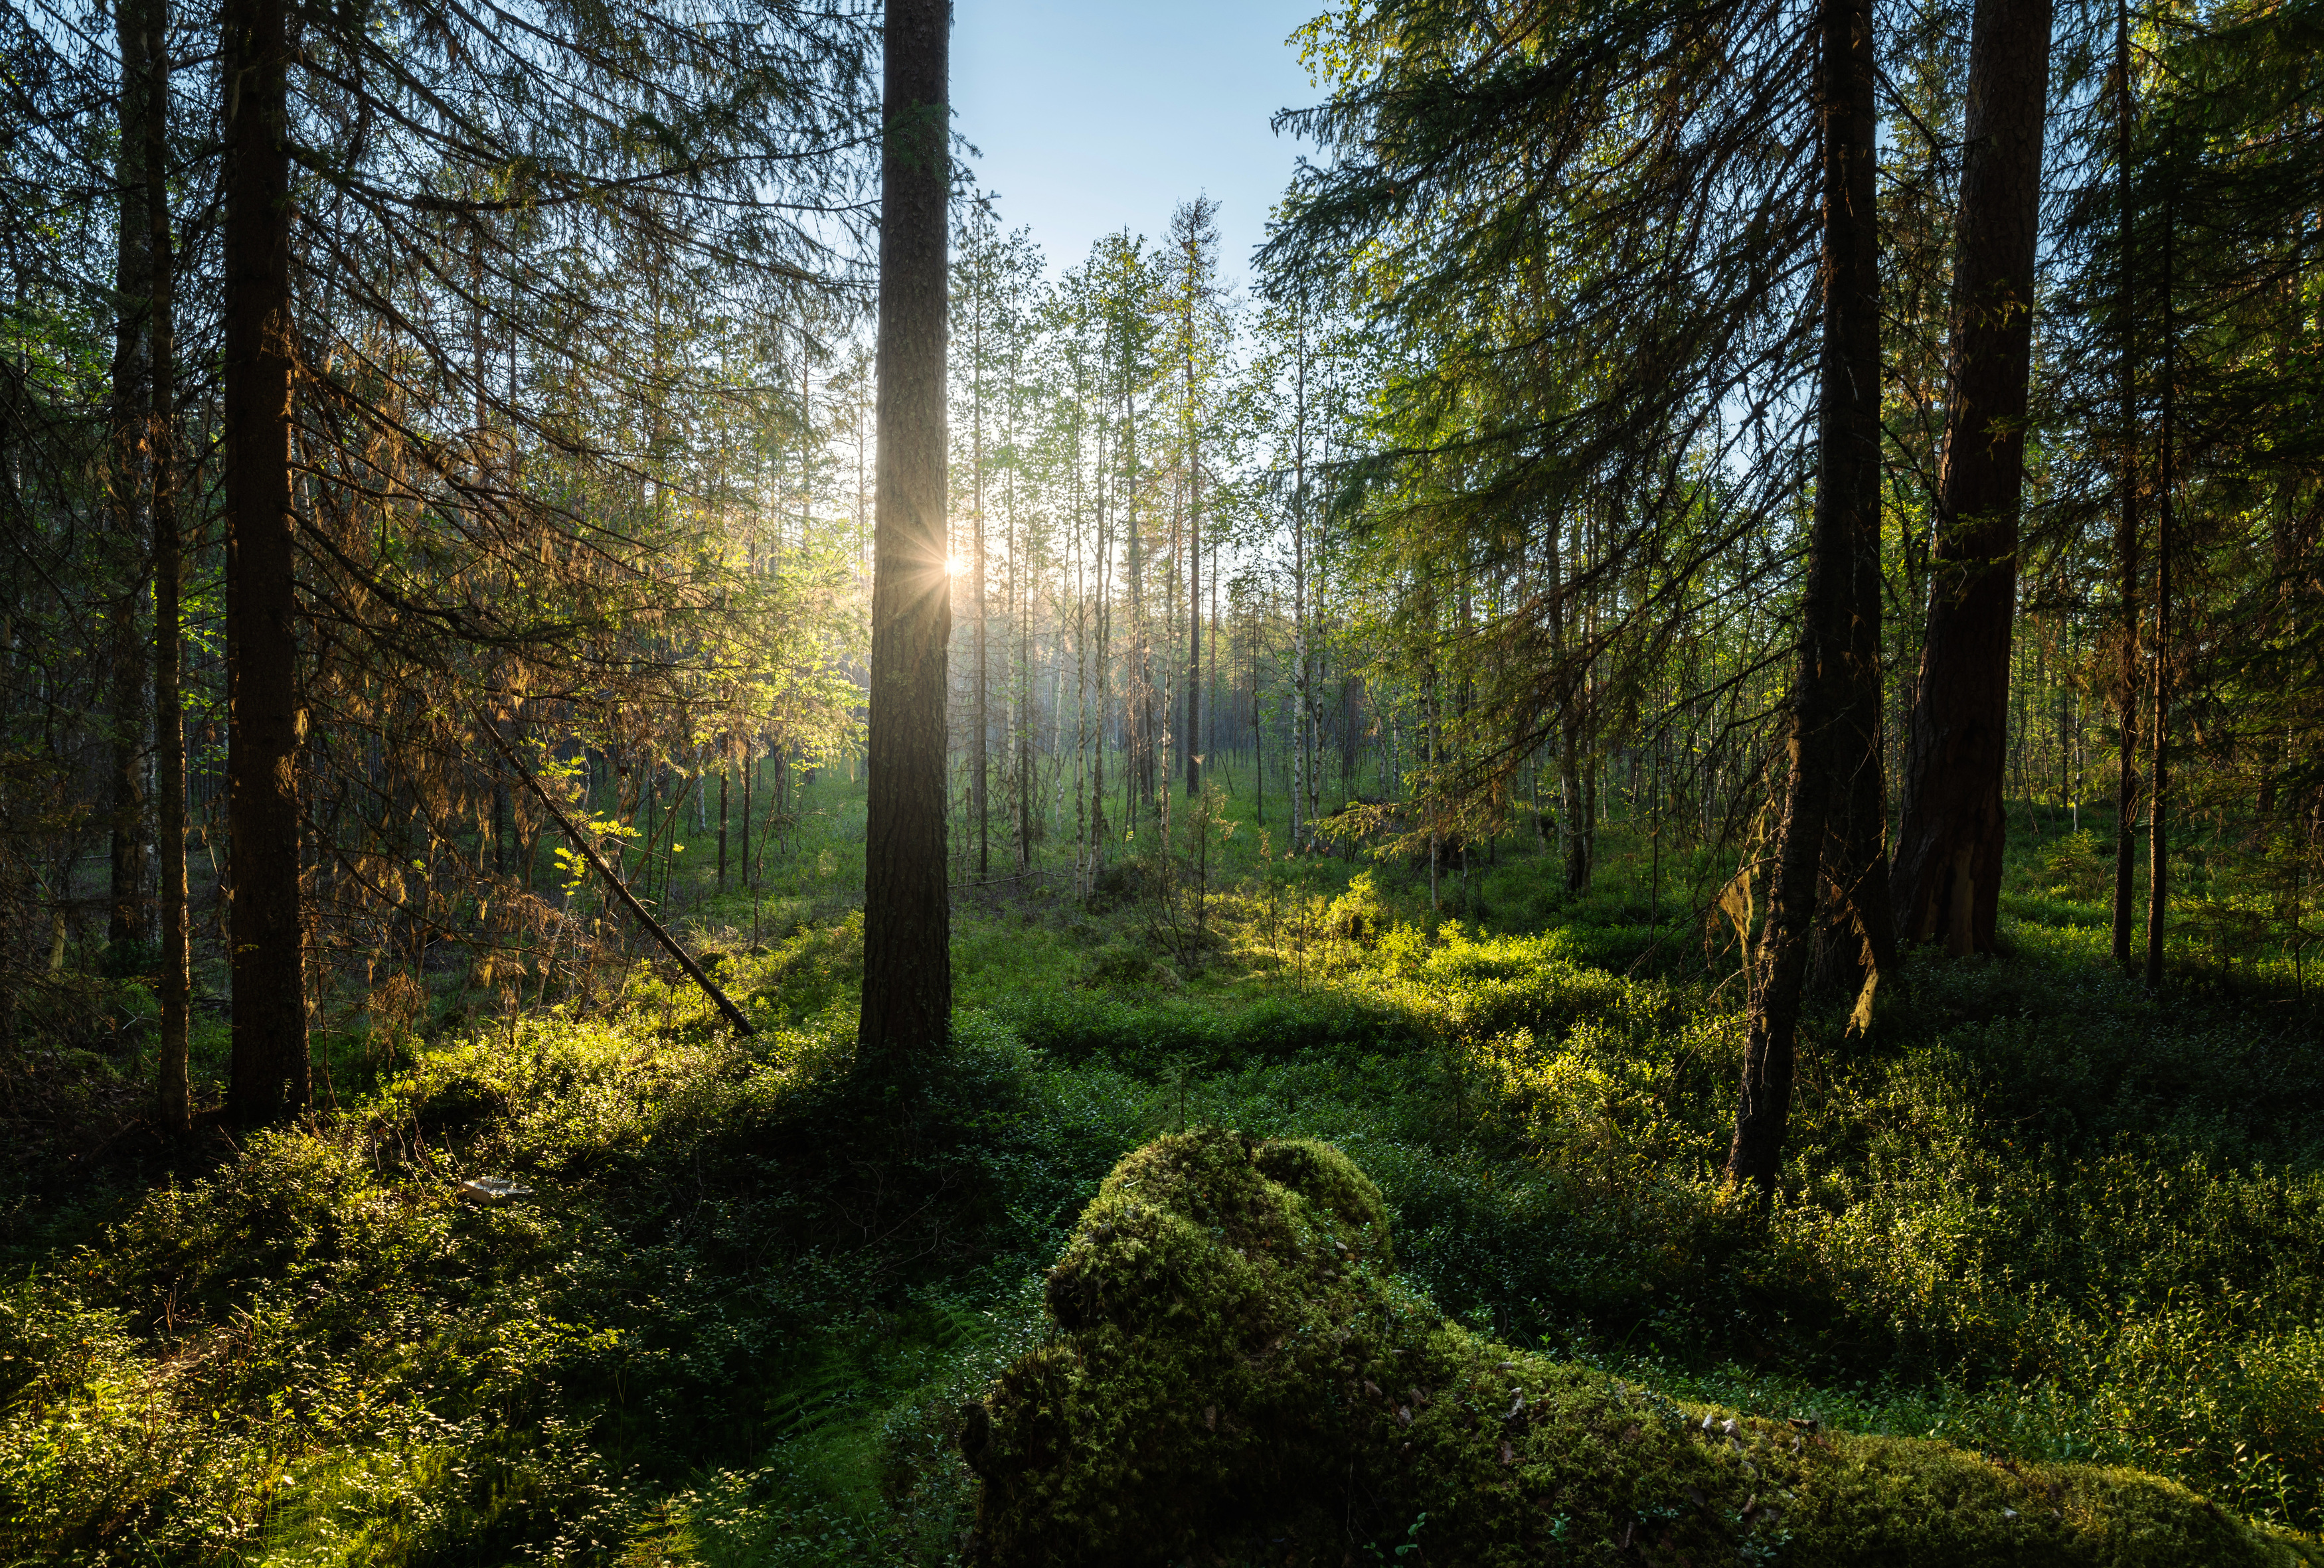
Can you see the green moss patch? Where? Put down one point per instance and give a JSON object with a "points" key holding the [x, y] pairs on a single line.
{"points": [[1240, 1376]]}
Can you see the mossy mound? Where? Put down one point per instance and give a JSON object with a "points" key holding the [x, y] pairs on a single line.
{"points": [[1240, 1377]]}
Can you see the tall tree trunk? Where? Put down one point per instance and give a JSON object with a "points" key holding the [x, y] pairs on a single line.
{"points": [[1847, 500], [906, 1011], [1859, 930], [1949, 846], [1574, 850], [2126, 538], [979, 766], [1302, 827], [1191, 239], [1258, 736], [270, 1073], [1193, 606], [2158, 842], [1029, 707], [1140, 782], [1211, 680], [1102, 623], [1572, 828], [173, 1097], [126, 927]]}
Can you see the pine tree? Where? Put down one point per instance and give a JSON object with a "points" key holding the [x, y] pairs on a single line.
{"points": [[1825, 750], [906, 1009], [1948, 843], [268, 935]]}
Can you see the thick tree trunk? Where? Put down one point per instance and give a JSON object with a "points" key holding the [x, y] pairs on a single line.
{"points": [[173, 1096], [1847, 499], [1859, 931], [907, 1012], [1949, 846], [126, 927], [270, 1075]]}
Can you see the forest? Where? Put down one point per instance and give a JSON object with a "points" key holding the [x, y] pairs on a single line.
{"points": [[1613, 859]]}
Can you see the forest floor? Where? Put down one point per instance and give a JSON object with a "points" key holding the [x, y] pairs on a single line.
{"points": [[2038, 1211]]}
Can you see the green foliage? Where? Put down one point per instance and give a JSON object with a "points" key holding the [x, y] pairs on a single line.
{"points": [[1241, 1376], [2039, 1213], [320, 1352]]}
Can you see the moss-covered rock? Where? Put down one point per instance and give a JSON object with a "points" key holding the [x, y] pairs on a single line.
{"points": [[1240, 1377]]}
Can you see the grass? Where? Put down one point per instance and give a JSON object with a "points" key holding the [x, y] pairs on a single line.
{"points": [[2039, 1212]]}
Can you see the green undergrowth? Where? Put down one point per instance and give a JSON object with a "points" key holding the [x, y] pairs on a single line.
{"points": [[728, 1261], [1240, 1375], [2038, 1212]]}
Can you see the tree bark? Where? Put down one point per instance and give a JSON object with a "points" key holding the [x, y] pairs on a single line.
{"points": [[1949, 846], [1028, 704], [906, 1009], [126, 927], [270, 1072], [1194, 607], [1847, 508], [980, 764], [1859, 930], [173, 1096], [1191, 229], [2126, 565], [2158, 842], [1302, 693], [1138, 776]]}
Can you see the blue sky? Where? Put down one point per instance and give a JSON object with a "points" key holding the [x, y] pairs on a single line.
{"points": [[1093, 116]]}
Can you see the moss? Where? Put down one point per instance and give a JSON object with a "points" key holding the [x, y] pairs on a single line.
{"points": [[1239, 1375]]}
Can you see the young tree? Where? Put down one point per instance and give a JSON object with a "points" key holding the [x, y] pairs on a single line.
{"points": [[907, 1009]]}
